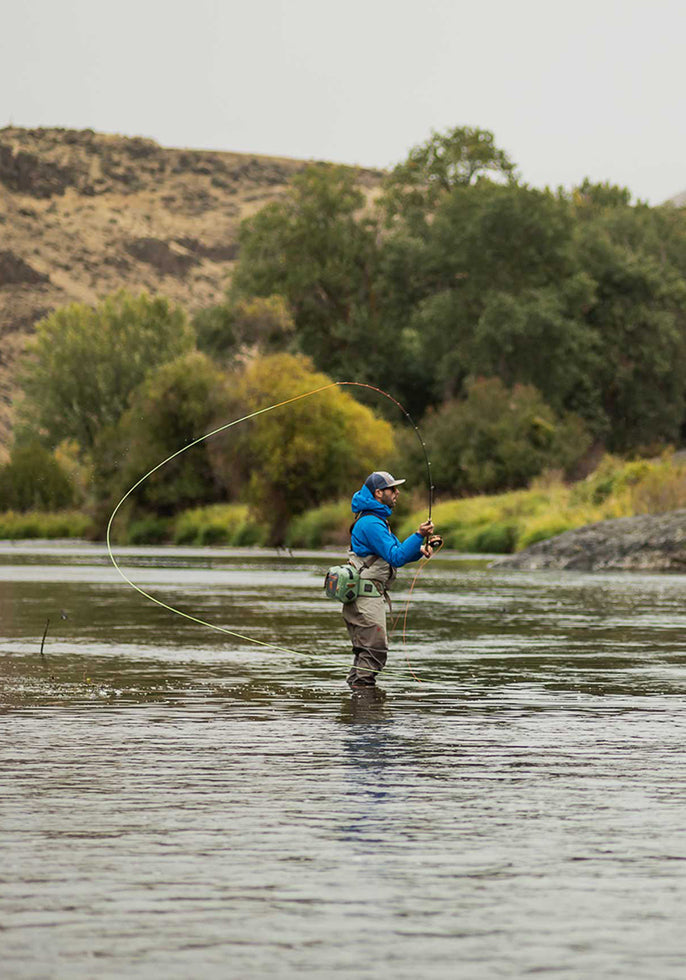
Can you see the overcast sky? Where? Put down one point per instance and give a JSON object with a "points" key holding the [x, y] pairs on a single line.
{"points": [[570, 89]]}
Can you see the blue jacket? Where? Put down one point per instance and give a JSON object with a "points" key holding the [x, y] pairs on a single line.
{"points": [[371, 534]]}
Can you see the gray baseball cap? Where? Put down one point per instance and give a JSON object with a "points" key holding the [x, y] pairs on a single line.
{"points": [[381, 480]]}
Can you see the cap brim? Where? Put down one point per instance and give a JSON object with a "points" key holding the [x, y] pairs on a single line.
{"points": [[396, 483]]}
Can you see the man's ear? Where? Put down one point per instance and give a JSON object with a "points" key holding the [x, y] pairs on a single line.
{"points": [[377, 495]]}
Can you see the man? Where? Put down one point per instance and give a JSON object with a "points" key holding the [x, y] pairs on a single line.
{"points": [[376, 553]]}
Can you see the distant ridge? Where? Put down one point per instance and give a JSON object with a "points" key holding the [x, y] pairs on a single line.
{"points": [[83, 214], [678, 201]]}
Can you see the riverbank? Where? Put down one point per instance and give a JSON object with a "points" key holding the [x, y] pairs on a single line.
{"points": [[504, 524], [648, 543]]}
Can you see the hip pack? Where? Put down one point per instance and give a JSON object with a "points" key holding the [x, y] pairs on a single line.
{"points": [[343, 583]]}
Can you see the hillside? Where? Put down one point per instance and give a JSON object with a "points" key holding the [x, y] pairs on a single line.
{"points": [[83, 214]]}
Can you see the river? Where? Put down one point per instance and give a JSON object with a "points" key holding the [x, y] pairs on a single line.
{"points": [[176, 802]]}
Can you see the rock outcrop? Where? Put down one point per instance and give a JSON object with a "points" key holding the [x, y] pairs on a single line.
{"points": [[650, 542]]}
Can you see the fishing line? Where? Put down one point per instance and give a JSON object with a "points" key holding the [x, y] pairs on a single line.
{"points": [[420, 569], [208, 435]]}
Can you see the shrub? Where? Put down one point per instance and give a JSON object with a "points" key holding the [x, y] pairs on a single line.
{"points": [[545, 528], [301, 456], [84, 363], [219, 524], [148, 530], [658, 492], [327, 525], [498, 538], [496, 439], [34, 480], [68, 524]]}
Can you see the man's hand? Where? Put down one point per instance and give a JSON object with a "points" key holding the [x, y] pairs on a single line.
{"points": [[431, 544], [426, 528]]}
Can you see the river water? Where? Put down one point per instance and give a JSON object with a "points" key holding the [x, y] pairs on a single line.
{"points": [[176, 802]]}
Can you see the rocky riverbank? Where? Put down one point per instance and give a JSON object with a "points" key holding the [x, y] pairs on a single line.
{"points": [[653, 543]]}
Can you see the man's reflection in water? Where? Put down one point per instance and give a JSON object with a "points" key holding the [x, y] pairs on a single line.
{"points": [[365, 705], [370, 758]]}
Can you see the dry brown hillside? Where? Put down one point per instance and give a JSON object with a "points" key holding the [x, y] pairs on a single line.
{"points": [[83, 214]]}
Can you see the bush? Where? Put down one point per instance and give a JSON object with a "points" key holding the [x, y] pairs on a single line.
{"points": [[327, 525], [179, 401], [512, 521], [219, 524], [503, 523], [68, 524], [148, 530], [307, 450], [545, 528], [658, 492], [498, 538], [34, 480], [495, 439]]}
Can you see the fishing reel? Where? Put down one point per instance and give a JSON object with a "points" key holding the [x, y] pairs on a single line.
{"points": [[435, 542]]}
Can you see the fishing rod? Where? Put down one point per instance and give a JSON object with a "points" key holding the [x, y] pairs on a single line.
{"points": [[427, 461], [214, 432]]}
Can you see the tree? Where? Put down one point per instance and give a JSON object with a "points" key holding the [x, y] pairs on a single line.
{"points": [[540, 337], [455, 158], [33, 480], [84, 363], [497, 438], [317, 250], [308, 451], [176, 404], [639, 318], [484, 241], [245, 327]]}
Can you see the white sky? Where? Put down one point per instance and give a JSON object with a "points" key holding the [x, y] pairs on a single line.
{"points": [[589, 88]]}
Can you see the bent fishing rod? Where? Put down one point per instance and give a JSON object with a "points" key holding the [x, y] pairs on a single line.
{"points": [[223, 428]]}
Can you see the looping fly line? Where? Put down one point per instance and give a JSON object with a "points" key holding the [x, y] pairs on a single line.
{"points": [[214, 432]]}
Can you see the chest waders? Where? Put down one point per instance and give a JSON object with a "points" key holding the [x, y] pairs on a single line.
{"points": [[365, 617]]}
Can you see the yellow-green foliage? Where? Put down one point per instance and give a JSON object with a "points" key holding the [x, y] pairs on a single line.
{"points": [[303, 453], [38, 524], [512, 521], [638, 487], [327, 525], [225, 524]]}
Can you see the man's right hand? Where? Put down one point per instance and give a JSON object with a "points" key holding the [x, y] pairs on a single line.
{"points": [[426, 528]]}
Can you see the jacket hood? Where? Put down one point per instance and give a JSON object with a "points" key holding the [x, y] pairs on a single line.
{"points": [[364, 499]]}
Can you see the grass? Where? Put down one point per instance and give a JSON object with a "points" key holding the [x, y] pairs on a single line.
{"points": [[40, 524], [327, 525], [497, 524], [218, 524], [508, 522]]}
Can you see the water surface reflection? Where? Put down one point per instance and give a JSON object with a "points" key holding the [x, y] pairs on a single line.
{"points": [[176, 801]]}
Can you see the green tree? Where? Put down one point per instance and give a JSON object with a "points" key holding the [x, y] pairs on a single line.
{"points": [[497, 438], [639, 318], [540, 337], [254, 325], [592, 197], [32, 479], [317, 248], [455, 158], [176, 404], [309, 451], [484, 241], [84, 363]]}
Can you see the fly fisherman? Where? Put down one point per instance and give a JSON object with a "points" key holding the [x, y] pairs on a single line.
{"points": [[376, 553]]}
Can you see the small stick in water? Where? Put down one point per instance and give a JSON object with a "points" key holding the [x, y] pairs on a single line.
{"points": [[45, 633]]}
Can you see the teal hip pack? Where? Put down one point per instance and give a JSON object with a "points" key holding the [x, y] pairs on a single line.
{"points": [[344, 584]]}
